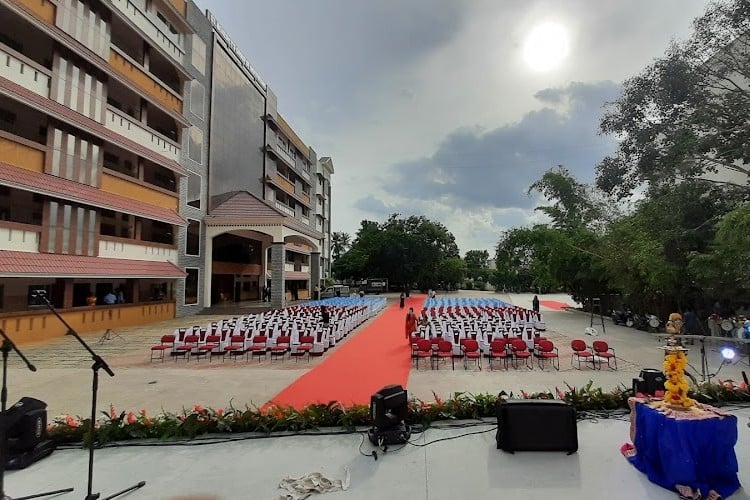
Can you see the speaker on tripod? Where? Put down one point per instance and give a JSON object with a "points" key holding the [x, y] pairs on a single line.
{"points": [[26, 433]]}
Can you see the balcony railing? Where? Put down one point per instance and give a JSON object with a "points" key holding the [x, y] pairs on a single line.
{"points": [[129, 127], [19, 237], [119, 248], [23, 71], [147, 82], [305, 220], [284, 208], [150, 28]]}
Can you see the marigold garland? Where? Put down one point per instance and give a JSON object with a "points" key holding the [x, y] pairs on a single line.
{"points": [[676, 385]]}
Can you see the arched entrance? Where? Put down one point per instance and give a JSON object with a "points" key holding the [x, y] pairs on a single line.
{"points": [[237, 266]]}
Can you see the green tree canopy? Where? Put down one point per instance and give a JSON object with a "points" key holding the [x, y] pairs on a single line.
{"points": [[685, 115], [407, 251]]}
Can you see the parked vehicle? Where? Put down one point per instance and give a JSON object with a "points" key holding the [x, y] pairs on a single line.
{"points": [[335, 291], [624, 317]]}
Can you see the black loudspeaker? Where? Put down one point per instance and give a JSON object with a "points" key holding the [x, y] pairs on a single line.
{"points": [[536, 425], [649, 381], [26, 433]]}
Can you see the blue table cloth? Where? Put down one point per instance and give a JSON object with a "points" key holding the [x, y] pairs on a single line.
{"points": [[698, 453]]}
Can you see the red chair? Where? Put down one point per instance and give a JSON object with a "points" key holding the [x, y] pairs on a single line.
{"points": [[499, 350], [257, 347], [546, 351], [444, 351], [424, 350], [191, 342], [281, 347], [304, 347], [166, 342], [210, 343], [236, 347], [520, 351], [581, 352], [603, 351], [470, 349]]}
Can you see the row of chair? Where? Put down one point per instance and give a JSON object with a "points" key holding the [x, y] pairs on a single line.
{"points": [[515, 350], [598, 352]]}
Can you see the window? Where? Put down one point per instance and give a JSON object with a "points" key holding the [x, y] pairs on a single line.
{"points": [[195, 146], [199, 54], [193, 238], [197, 98], [194, 190], [33, 298], [191, 286]]}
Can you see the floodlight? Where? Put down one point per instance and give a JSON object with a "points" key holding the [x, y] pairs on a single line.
{"points": [[728, 354]]}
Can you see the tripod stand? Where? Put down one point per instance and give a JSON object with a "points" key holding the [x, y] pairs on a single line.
{"points": [[99, 364], [7, 346], [108, 336]]}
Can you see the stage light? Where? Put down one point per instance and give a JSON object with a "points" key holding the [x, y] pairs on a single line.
{"points": [[728, 353], [388, 409]]}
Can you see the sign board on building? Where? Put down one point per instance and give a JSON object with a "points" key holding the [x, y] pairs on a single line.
{"points": [[234, 49]]}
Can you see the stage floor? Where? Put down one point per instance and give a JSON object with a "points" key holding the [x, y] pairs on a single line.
{"points": [[467, 467]]}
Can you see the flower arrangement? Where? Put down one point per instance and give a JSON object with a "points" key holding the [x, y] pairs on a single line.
{"points": [[675, 362], [676, 385], [122, 426]]}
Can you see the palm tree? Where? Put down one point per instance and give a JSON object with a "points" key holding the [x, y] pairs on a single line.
{"points": [[339, 243]]}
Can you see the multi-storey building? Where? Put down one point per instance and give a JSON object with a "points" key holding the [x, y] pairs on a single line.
{"points": [[261, 225], [91, 127], [141, 154]]}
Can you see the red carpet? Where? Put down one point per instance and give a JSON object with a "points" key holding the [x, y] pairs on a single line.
{"points": [[553, 304], [350, 373]]}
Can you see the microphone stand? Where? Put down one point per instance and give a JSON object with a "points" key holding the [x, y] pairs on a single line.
{"points": [[7, 346], [99, 363]]}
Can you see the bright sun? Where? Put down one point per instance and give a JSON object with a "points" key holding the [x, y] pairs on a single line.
{"points": [[546, 46]]}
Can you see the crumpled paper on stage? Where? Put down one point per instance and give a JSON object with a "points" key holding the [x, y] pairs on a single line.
{"points": [[312, 483]]}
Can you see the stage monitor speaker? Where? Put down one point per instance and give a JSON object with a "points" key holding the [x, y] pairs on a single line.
{"points": [[653, 380], [26, 424], [536, 425]]}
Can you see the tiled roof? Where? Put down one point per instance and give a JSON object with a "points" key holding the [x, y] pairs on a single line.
{"points": [[246, 205], [29, 264], [245, 209], [17, 92], [81, 193]]}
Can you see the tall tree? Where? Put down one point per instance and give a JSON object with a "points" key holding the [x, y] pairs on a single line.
{"points": [[477, 264], [685, 115], [339, 243], [406, 251]]}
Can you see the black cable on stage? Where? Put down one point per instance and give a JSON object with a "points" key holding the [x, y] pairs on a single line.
{"points": [[420, 445]]}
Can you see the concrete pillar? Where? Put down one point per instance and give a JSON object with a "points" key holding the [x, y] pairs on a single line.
{"points": [[314, 273], [277, 275]]}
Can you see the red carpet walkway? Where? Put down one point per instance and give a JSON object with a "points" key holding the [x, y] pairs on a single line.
{"points": [[375, 357], [555, 305]]}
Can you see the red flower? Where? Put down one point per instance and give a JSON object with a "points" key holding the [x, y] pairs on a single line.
{"points": [[131, 418], [72, 422], [198, 408], [112, 412], [220, 412]]}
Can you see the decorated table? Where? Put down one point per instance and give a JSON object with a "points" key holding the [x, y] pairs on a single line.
{"points": [[680, 444], [684, 448]]}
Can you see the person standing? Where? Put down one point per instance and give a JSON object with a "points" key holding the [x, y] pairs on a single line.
{"points": [[535, 304], [411, 323], [401, 300], [325, 316]]}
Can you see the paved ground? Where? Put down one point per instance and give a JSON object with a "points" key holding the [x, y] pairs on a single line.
{"points": [[469, 467], [64, 376]]}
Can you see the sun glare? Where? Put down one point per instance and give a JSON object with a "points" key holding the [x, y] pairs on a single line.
{"points": [[546, 46]]}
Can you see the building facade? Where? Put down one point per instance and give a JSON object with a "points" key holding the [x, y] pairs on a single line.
{"points": [[140, 155]]}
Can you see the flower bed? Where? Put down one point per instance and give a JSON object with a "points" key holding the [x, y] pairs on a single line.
{"points": [[114, 426]]}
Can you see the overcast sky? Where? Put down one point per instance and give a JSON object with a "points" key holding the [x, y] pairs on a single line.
{"points": [[435, 107]]}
